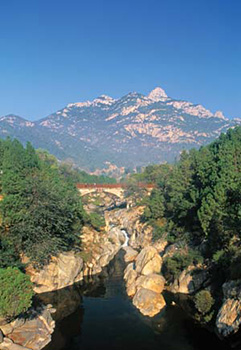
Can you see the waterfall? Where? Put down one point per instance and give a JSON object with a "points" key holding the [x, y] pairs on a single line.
{"points": [[125, 244]]}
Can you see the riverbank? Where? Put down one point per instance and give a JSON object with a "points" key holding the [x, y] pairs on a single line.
{"points": [[97, 313]]}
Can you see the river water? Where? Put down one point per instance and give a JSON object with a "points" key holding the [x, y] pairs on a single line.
{"points": [[97, 314]]}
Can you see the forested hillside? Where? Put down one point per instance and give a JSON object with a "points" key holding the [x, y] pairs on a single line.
{"points": [[198, 201], [41, 212], [41, 215]]}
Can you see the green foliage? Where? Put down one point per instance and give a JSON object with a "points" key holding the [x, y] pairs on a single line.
{"points": [[204, 301], [175, 264], [79, 176], [96, 220], [234, 263], [8, 255], [218, 256], [41, 210], [134, 191], [200, 195], [15, 292]]}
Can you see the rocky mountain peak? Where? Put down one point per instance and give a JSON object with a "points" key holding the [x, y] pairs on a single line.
{"points": [[104, 99], [134, 130], [219, 114], [158, 94]]}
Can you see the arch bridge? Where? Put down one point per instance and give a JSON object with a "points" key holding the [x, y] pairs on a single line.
{"points": [[115, 189]]}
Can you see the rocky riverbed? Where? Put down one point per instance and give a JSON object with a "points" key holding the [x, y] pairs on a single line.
{"points": [[143, 277]]}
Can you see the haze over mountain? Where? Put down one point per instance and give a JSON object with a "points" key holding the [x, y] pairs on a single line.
{"points": [[134, 130]]}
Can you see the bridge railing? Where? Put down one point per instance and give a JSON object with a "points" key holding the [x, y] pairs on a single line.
{"points": [[112, 186]]}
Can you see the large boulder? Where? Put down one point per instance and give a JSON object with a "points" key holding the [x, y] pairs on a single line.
{"points": [[62, 271], [148, 302], [8, 344], [130, 276], [191, 280], [130, 254], [34, 332], [152, 282], [229, 316], [148, 261]]}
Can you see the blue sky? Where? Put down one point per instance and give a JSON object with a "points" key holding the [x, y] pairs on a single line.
{"points": [[60, 51]]}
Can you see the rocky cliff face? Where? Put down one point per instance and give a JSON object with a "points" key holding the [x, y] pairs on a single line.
{"points": [[98, 248], [63, 270], [229, 316]]}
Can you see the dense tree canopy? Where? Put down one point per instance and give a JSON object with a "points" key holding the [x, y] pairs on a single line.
{"points": [[199, 197], [41, 212]]}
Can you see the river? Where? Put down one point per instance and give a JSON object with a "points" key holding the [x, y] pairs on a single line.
{"points": [[97, 314]]}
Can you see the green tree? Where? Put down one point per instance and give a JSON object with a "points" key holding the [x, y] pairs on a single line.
{"points": [[15, 292], [204, 301]]}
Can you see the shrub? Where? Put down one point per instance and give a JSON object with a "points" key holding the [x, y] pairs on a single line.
{"points": [[97, 221], [16, 292], [203, 301], [175, 264]]}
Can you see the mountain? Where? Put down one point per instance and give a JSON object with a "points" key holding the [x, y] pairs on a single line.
{"points": [[134, 130]]}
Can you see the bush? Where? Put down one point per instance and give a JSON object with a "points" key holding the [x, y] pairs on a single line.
{"points": [[177, 263], [97, 221], [16, 292], [204, 301]]}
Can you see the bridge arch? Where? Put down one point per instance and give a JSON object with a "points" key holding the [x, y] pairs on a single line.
{"points": [[115, 189]]}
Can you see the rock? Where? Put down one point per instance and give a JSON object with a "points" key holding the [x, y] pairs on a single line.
{"points": [[148, 261], [148, 302], [1, 336], [8, 344], [62, 271], [130, 276], [229, 316], [6, 328], [98, 249], [161, 245], [152, 282], [140, 233], [128, 270], [131, 289], [34, 332], [191, 280], [130, 254], [172, 249]]}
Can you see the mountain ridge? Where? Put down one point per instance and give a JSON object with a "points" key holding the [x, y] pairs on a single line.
{"points": [[134, 130]]}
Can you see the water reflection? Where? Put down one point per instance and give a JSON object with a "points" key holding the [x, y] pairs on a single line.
{"points": [[97, 313]]}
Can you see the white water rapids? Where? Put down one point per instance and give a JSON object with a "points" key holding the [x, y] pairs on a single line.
{"points": [[125, 244]]}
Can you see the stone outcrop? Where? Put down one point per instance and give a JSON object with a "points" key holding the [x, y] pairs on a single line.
{"points": [[229, 316], [130, 276], [102, 247], [130, 254], [148, 261], [33, 332], [191, 280], [152, 282], [143, 282], [148, 302], [63, 270], [130, 220], [98, 248]]}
